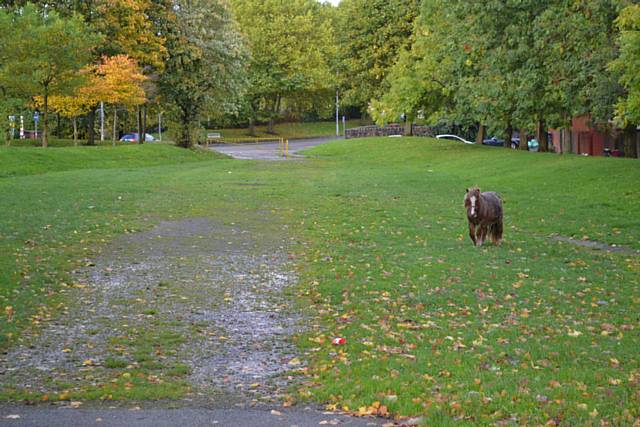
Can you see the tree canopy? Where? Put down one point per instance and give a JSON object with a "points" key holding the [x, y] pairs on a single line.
{"points": [[205, 62], [43, 54], [291, 44]]}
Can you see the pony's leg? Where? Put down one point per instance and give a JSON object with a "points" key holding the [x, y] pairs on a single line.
{"points": [[497, 232], [482, 234], [472, 233]]}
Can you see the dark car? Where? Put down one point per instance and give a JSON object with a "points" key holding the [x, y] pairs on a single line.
{"points": [[133, 137], [497, 142], [493, 141]]}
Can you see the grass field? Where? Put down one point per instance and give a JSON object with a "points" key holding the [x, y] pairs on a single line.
{"points": [[533, 331]]}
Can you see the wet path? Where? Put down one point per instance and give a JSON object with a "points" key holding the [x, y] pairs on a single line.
{"points": [[195, 296], [193, 293], [269, 150]]}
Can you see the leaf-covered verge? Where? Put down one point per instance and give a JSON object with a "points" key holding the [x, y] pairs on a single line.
{"points": [[533, 331], [530, 332]]}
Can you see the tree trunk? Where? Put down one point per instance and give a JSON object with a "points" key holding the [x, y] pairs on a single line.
{"points": [[524, 144], [566, 140], [75, 131], [629, 137], [252, 125], [114, 137], [408, 126], [45, 121], [91, 118], [270, 125], [58, 125], [541, 136], [508, 136], [185, 134], [272, 117], [140, 134], [482, 132], [144, 123]]}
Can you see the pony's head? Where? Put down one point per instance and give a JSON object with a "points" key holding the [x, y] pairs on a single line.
{"points": [[472, 201]]}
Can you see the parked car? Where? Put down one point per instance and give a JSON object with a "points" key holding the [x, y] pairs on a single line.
{"points": [[133, 137], [494, 141], [453, 138]]}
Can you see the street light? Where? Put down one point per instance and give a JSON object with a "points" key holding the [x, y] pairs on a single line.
{"points": [[337, 113]]}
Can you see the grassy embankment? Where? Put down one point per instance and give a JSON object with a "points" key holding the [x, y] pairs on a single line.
{"points": [[532, 331]]}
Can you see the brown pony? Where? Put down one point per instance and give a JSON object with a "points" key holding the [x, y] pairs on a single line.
{"points": [[484, 212]]}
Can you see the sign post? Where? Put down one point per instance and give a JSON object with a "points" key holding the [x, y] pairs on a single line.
{"points": [[21, 127], [36, 119], [12, 125]]}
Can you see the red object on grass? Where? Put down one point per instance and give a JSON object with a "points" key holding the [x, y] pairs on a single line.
{"points": [[338, 341]]}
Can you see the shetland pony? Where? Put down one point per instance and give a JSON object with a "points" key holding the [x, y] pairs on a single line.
{"points": [[484, 212]]}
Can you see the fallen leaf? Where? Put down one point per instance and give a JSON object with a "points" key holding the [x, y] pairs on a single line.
{"points": [[294, 362]]}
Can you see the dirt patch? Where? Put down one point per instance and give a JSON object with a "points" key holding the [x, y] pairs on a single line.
{"points": [[194, 298], [596, 245]]}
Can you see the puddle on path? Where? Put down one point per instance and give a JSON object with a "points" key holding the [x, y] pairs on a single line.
{"points": [[218, 290]]}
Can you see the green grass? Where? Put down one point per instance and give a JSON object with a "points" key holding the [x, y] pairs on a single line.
{"points": [[16, 161], [60, 142], [525, 333], [290, 130]]}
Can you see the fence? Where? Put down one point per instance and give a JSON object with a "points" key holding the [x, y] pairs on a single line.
{"points": [[389, 130]]}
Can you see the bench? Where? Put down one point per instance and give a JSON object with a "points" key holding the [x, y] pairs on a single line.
{"points": [[213, 135]]}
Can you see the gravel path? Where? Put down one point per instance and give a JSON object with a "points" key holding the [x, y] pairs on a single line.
{"points": [[195, 295], [216, 290]]}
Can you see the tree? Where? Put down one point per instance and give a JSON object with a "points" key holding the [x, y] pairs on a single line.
{"points": [[43, 54], [205, 62], [421, 80], [627, 110], [371, 34], [69, 106], [117, 80], [291, 43], [129, 30]]}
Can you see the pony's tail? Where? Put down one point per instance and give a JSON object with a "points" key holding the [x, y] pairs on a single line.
{"points": [[496, 232]]}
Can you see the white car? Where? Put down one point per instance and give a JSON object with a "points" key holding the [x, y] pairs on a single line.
{"points": [[454, 138]]}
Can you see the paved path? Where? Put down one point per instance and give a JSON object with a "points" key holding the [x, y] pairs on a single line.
{"points": [[268, 150], [186, 417]]}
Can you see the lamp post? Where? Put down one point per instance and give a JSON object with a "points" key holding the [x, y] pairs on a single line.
{"points": [[101, 121], [160, 125], [337, 113]]}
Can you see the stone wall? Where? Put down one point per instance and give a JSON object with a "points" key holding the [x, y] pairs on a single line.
{"points": [[388, 130]]}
